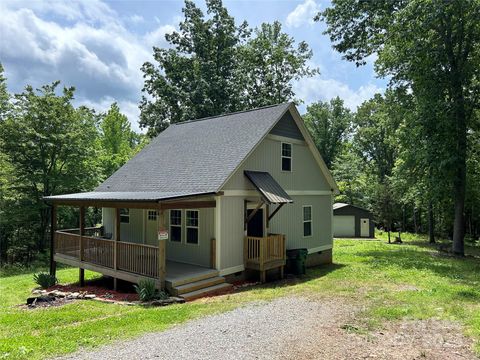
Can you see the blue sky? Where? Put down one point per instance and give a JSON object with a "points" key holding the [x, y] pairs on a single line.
{"points": [[99, 46]]}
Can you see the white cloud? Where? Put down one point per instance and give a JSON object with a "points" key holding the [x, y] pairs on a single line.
{"points": [[136, 19], [303, 14], [314, 89], [157, 36], [90, 49]]}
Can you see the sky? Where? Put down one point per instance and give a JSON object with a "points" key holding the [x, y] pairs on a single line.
{"points": [[99, 46]]}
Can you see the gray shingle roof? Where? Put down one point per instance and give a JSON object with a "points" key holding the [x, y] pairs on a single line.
{"points": [[268, 187], [196, 156]]}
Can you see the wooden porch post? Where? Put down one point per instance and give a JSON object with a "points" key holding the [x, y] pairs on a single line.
{"points": [[81, 273], [115, 245], [53, 228], [161, 250]]}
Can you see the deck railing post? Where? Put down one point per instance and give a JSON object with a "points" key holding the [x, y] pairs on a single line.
{"points": [[53, 228], [161, 251], [81, 273], [115, 244]]}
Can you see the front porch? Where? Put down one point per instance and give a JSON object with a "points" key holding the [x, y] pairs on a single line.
{"points": [[128, 261]]}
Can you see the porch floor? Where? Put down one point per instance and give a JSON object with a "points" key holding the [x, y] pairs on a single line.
{"points": [[180, 273]]}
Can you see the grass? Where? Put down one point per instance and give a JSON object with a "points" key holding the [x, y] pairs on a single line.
{"points": [[408, 281]]}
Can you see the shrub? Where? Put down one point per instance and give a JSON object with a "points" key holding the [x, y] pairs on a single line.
{"points": [[45, 280], [146, 290]]}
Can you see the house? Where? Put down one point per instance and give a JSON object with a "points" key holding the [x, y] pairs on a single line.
{"points": [[207, 200], [352, 221]]}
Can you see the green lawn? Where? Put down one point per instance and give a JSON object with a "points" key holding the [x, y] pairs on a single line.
{"points": [[409, 281]]}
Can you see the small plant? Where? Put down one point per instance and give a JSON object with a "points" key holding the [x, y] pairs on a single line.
{"points": [[146, 290], [45, 280]]}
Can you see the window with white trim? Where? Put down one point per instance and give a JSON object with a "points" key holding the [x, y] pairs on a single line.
{"points": [[176, 225], [152, 215], [192, 226], [286, 157], [125, 216], [307, 220]]}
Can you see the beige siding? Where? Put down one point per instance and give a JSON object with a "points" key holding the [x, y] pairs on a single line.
{"points": [[197, 254], [305, 175], [232, 232], [289, 221], [108, 220], [131, 232]]}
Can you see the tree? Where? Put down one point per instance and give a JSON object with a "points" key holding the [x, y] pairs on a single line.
{"points": [[431, 47], [348, 169], [117, 139], [213, 66], [51, 148], [195, 77], [329, 123], [269, 62]]}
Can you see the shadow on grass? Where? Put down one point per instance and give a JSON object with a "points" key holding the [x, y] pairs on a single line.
{"points": [[312, 273], [441, 263]]}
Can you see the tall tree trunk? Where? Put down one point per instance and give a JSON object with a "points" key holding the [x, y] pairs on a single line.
{"points": [[431, 224], [460, 180], [415, 229]]}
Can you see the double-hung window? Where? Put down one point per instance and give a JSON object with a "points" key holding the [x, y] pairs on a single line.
{"points": [[307, 220], [286, 157], [125, 216], [192, 226], [152, 215], [176, 225]]}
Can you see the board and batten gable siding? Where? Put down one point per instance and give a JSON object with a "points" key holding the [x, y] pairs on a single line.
{"points": [[181, 252], [286, 127]]}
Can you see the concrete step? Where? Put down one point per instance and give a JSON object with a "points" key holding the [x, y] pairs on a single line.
{"points": [[197, 285], [211, 290]]}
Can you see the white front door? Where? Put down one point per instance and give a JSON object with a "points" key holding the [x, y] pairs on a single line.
{"points": [[364, 227]]}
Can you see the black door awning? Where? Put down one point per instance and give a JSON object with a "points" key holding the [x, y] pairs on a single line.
{"points": [[271, 190]]}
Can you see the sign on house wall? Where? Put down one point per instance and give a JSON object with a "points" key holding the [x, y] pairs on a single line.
{"points": [[162, 234]]}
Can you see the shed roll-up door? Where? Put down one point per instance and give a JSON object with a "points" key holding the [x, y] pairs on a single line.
{"points": [[344, 226]]}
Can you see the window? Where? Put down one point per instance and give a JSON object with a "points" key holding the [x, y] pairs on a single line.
{"points": [[286, 157], [152, 215], [192, 226], [176, 225], [125, 216], [307, 220]]}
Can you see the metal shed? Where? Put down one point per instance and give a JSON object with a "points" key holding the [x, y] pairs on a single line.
{"points": [[351, 221]]}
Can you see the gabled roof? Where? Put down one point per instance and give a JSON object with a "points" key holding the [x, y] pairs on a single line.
{"points": [[195, 156], [339, 205], [271, 190]]}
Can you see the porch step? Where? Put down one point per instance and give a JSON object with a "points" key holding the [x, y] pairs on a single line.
{"points": [[198, 285], [187, 279], [211, 290]]}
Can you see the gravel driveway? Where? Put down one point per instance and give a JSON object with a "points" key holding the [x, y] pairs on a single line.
{"points": [[292, 328]]}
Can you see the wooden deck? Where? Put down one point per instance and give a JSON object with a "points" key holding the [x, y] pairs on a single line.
{"points": [[265, 253]]}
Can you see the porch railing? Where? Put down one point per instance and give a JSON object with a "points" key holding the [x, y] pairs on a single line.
{"points": [[133, 258], [263, 250]]}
